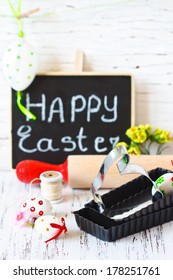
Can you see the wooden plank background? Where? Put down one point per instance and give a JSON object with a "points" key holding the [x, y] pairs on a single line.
{"points": [[132, 36]]}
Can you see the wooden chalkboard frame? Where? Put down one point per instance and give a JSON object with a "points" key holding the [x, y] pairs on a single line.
{"points": [[85, 74]]}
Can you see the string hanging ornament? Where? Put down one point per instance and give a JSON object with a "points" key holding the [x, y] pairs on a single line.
{"points": [[20, 61]]}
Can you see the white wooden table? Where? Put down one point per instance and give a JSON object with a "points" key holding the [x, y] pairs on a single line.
{"points": [[25, 244]]}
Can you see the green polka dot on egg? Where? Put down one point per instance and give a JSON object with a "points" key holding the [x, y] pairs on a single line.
{"points": [[163, 192], [20, 64], [165, 183]]}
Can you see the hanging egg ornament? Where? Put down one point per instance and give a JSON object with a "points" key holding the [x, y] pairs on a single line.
{"points": [[48, 227], [36, 207], [165, 183], [20, 64]]}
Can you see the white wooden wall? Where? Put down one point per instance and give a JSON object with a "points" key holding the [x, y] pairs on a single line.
{"points": [[116, 36]]}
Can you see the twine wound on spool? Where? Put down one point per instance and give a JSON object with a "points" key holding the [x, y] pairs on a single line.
{"points": [[51, 185]]}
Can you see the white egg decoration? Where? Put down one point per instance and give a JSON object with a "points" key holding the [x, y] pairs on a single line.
{"points": [[36, 207], [20, 64], [165, 183], [48, 227]]}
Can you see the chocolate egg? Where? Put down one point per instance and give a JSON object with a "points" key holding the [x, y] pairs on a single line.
{"points": [[165, 183], [36, 207]]}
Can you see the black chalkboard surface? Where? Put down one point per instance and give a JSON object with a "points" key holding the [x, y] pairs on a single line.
{"points": [[76, 114]]}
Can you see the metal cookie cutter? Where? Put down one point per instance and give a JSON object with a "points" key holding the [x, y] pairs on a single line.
{"points": [[109, 217], [121, 156]]}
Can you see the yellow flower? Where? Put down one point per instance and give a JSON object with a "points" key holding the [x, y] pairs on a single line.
{"points": [[141, 138], [146, 127], [134, 150], [122, 144], [161, 136], [138, 134]]}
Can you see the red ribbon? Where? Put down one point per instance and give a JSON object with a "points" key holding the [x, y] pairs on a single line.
{"points": [[60, 227]]}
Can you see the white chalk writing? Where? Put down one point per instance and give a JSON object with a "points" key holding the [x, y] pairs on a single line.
{"points": [[78, 106], [70, 144]]}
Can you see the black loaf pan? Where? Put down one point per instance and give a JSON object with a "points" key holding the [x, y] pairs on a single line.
{"points": [[132, 193]]}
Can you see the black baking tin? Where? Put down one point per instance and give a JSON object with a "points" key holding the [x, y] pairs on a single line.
{"points": [[124, 197]]}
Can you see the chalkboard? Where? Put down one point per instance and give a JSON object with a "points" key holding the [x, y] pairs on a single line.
{"points": [[76, 114]]}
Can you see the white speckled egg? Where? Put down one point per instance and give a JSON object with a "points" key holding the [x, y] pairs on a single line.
{"points": [[37, 207], [20, 64], [165, 183], [43, 227]]}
